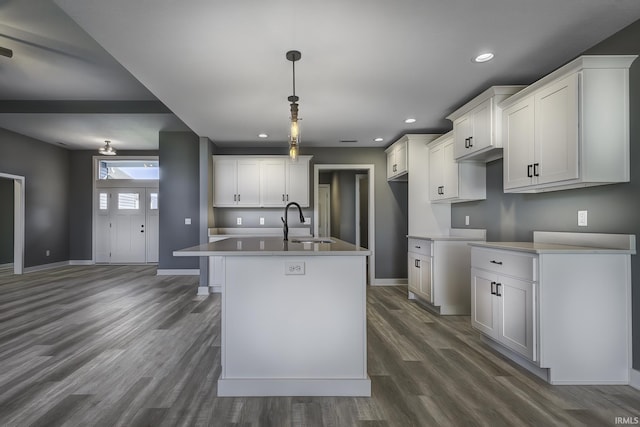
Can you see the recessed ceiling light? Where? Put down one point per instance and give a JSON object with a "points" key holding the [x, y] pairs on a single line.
{"points": [[484, 57], [263, 135], [379, 139], [410, 120]]}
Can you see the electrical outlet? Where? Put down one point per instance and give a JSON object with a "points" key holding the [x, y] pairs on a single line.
{"points": [[294, 268], [47, 252], [261, 221], [239, 220], [187, 221], [466, 220], [307, 220], [582, 218]]}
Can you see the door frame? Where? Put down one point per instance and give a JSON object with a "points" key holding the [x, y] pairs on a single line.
{"points": [[359, 177], [371, 171], [18, 220], [328, 187], [113, 183]]}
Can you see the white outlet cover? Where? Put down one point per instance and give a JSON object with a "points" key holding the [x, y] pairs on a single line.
{"points": [[187, 221], [239, 220], [466, 220], [294, 268], [261, 221], [582, 218]]}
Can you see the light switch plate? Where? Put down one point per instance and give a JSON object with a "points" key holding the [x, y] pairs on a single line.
{"points": [[466, 220], [582, 218], [261, 221], [239, 220], [293, 268], [187, 221]]}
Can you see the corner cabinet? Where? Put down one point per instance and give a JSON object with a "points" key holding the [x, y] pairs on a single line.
{"points": [[397, 160], [569, 129], [261, 181], [477, 125], [450, 181]]}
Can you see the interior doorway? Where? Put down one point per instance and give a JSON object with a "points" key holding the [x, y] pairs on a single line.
{"points": [[14, 194], [362, 210], [343, 222]]}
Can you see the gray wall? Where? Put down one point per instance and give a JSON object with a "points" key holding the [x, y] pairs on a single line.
{"points": [[179, 197], [6, 221], [390, 203], [80, 195], [46, 171], [612, 208]]}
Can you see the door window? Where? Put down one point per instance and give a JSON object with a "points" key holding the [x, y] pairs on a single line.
{"points": [[128, 201]]}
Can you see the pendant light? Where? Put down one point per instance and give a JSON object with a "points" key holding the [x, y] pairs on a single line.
{"points": [[294, 132], [107, 150]]}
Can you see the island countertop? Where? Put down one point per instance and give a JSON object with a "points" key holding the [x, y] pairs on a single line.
{"points": [[272, 246]]}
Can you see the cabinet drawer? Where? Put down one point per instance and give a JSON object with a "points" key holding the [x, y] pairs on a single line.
{"points": [[514, 264], [420, 246]]}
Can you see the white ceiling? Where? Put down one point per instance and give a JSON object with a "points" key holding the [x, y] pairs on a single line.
{"points": [[220, 65]]}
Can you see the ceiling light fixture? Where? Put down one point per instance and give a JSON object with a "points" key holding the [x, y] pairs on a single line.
{"points": [[6, 52], [294, 133], [107, 150], [263, 135], [379, 139], [410, 120], [484, 57]]}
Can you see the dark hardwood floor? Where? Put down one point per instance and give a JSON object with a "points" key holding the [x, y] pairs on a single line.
{"points": [[118, 345]]}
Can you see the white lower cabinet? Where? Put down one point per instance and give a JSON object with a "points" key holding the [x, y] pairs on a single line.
{"points": [[561, 310], [502, 308], [419, 272]]}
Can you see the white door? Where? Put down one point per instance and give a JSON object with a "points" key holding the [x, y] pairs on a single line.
{"points": [[518, 137], [450, 171], [436, 158], [152, 229], [272, 182], [248, 179], [103, 225], [224, 182], [128, 219], [298, 182], [461, 132], [516, 315], [484, 312], [481, 135], [324, 210]]}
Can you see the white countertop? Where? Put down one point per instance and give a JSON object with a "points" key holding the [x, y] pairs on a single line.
{"points": [[455, 234], [542, 248], [449, 238], [271, 246]]}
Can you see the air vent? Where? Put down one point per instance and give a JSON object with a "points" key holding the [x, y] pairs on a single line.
{"points": [[349, 140]]}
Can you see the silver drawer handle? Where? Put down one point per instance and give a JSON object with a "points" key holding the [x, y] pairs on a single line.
{"points": [[495, 262]]}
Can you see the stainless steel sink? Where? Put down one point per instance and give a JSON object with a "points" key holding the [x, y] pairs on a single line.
{"points": [[312, 240]]}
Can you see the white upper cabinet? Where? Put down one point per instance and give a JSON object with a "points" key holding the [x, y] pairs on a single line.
{"points": [[450, 181], [397, 161], [236, 182], [260, 181], [569, 129], [476, 125]]}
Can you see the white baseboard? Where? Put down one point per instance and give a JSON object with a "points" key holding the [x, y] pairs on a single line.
{"points": [[389, 282], [294, 387], [634, 379], [178, 272], [46, 266], [81, 262], [215, 289], [203, 291]]}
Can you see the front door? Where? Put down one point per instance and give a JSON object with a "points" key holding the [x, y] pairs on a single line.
{"points": [[121, 225]]}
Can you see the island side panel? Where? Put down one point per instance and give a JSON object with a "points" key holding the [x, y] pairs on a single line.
{"points": [[279, 326]]}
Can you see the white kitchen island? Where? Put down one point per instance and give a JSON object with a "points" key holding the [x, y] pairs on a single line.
{"points": [[293, 317]]}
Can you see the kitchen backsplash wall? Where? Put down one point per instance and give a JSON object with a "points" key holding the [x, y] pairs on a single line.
{"points": [[611, 208]]}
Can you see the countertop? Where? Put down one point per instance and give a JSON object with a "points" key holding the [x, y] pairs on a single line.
{"points": [[449, 238], [455, 234], [271, 246], [549, 248]]}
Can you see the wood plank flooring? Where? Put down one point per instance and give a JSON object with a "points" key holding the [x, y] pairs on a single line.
{"points": [[120, 346]]}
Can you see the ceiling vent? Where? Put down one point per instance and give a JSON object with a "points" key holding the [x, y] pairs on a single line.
{"points": [[349, 140]]}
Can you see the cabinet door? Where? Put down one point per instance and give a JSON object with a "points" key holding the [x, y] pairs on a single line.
{"points": [[556, 132], [449, 172], [413, 272], [484, 310], [462, 129], [401, 157], [436, 160], [272, 182], [424, 270], [516, 299], [248, 178], [298, 182], [518, 143], [391, 164], [224, 182], [482, 119]]}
